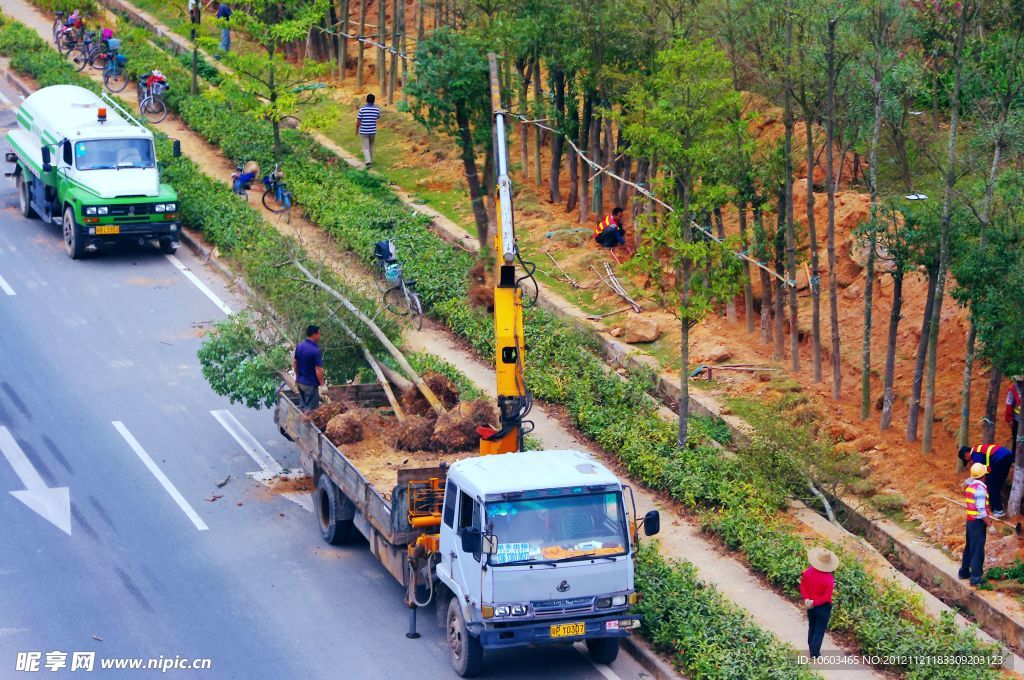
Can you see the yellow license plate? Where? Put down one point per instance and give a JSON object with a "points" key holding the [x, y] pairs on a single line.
{"points": [[108, 229], [568, 629]]}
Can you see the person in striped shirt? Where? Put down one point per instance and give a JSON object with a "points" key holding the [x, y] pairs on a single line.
{"points": [[366, 127]]}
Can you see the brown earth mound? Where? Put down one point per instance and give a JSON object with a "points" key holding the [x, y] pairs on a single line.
{"points": [[456, 429], [481, 287], [346, 428], [413, 434], [443, 388], [323, 415]]}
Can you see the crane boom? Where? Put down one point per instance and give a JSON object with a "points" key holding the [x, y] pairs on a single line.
{"points": [[514, 399]]}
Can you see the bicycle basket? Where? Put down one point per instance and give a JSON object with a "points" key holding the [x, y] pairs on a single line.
{"points": [[158, 88], [114, 43], [392, 270], [121, 60]]}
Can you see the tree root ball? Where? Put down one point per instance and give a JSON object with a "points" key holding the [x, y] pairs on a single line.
{"points": [[413, 434], [415, 404], [481, 287], [456, 429], [322, 415], [346, 428]]}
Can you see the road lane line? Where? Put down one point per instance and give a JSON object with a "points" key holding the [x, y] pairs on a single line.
{"points": [[270, 467], [4, 99], [5, 287], [601, 668], [160, 476], [199, 284]]}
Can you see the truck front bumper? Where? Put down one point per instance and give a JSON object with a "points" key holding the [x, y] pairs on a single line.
{"points": [[534, 633]]}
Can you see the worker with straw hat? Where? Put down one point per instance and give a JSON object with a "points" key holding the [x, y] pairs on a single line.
{"points": [[978, 519], [817, 585]]}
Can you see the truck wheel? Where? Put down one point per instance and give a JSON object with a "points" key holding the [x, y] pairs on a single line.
{"points": [[329, 503], [603, 650], [168, 247], [72, 237], [24, 205], [465, 650]]}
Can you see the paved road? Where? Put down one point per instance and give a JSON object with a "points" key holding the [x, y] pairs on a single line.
{"points": [[101, 393]]}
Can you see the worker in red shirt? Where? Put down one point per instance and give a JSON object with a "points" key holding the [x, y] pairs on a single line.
{"points": [[816, 587], [1013, 401]]}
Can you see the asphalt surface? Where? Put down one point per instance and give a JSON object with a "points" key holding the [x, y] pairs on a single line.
{"points": [[101, 392]]}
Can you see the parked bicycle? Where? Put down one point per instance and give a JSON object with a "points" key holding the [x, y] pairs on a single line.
{"points": [[400, 296], [93, 52], [70, 35], [114, 77], [243, 177], [58, 22], [277, 198], [152, 89]]}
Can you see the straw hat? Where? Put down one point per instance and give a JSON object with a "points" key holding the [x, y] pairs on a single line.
{"points": [[1017, 378], [978, 470], [823, 559]]}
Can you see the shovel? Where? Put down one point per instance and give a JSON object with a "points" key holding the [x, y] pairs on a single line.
{"points": [[1016, 527]]}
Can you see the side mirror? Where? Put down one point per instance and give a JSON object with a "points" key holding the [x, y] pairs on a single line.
{"points": [[490, 544], [652, 523], [176, 148], [47, 167], [471, 540]]}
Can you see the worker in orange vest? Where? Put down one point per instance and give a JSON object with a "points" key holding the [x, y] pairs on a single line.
{"points": [[1013, 401], [976, 495], [997, 460], [609, 232]]}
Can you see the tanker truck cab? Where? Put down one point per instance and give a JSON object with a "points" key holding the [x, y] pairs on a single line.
{"points": [[84, 163], [535, 547]]}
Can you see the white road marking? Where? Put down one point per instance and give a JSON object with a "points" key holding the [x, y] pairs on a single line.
{"points": [[603, 669], [270, 468], [4, 98], [52, 504], [5, 287], [199, 284], [160, 476]]}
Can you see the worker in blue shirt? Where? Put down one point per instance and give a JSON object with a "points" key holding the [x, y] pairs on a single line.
{"points": [[224, 12], [997, 460], [309, 369]]}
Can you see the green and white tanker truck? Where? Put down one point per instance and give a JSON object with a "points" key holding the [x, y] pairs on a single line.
{"points": [[82, 162]]}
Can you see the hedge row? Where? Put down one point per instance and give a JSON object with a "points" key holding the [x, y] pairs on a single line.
{"points": [[738, 499], [229, 223]]}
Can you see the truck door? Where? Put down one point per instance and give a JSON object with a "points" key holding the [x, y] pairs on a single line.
{"points": [[467, 565]]}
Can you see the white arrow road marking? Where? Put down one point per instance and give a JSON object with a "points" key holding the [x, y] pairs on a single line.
{"points": [[5, 287], [53, 505], [269, 468], [160, 476], [199, 284]]}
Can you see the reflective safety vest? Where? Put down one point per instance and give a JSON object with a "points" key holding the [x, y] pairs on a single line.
{"points": [[608, 221], [969, 495], [1016, 399], [987, 449]]}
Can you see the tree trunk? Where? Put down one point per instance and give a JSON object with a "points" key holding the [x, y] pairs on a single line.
{"points": [[865, 387], [760, 249], [813, 245], [890, 347], [476, 193], [393, 70], [684, 381], [420, 27], [381, 37], [538, 103], [966, 13], [787, 118], [869, 290], [584, 136], [833, 284], [914, 404], [748, 290], [730, 304], [525, 69], [988, 429], [780, 277], [1017, 490], [557, 141], [343, 40], [597, 186], [361, 45], [402, 33]]}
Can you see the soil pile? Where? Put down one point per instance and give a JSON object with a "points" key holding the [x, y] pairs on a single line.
{"points": [[414, 403], [323, 415], [456, 429], [346, 428]]}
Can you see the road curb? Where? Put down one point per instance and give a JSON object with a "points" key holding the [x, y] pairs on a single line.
{"points": [[210, 258], [652, 662], [20, 85]]}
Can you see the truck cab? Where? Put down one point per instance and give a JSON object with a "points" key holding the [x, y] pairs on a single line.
{"points": [[83, 162], [535, 547]]}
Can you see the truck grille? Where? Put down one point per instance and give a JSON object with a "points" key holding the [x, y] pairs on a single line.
{"points": [[575, 605], [133, 210]]}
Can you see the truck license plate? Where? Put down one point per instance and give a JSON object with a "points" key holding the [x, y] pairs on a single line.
{"points": [[108, 229], [568, 629]]}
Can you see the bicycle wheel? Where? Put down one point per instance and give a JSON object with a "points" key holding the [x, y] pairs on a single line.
{"points": [[394, 300], [99, 59], [416, 309], [80, 58], [115, 80], [153, 110], [66, 43], [273, 200]]}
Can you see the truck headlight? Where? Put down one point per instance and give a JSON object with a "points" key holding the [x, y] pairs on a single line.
{"points": [[102, 210], [159, 207], [502, 610], [90, 210], [603, 602], [618, 600], [171, 207], [519, 610]]}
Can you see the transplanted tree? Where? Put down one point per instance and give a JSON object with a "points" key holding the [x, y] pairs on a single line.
{"points": [[272, 87], [450, 92], [683, 114]]}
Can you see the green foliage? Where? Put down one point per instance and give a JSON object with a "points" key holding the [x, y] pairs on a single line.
{"points": [[1013, 572], [708, 636], [710, 427], [423, 362], [239, 364]]}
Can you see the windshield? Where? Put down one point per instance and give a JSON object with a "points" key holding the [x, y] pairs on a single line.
{"points": [[107, 154], [556, 529]]}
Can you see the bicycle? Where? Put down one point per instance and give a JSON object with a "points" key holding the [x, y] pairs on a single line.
{"points": [[70, 36], [58, 23], [86, 52], [277, 198], [114, 78], [400, 296], [243, 177], [152, 89]]}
